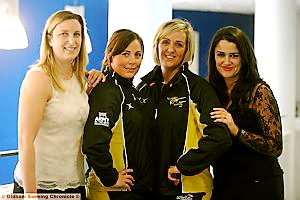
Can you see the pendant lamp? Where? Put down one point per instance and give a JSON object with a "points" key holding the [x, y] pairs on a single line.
{"points": [[12, 32]]}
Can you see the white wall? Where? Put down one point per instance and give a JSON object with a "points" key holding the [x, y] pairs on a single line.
{"points": [[298, 65], [297, 160], [297, 121]]}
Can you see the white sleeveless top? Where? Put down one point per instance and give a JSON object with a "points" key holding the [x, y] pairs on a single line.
{"points": [[59, 159]]}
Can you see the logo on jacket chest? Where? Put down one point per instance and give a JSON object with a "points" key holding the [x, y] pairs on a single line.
{"points": [[176, 101], [130, 105]]}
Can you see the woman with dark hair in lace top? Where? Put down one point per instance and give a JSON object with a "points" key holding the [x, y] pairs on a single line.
{"points": [[250, 169]]}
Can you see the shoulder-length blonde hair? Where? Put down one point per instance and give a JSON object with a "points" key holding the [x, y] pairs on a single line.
{"points": [[171, 26], [47, 62]]}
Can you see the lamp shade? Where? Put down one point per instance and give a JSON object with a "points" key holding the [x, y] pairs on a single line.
{"points": [[12, 33]]}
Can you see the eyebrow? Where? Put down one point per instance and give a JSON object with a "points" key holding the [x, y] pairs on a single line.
{"points": [[229, 53], [69, 30], [181, 41], [130, 51]]}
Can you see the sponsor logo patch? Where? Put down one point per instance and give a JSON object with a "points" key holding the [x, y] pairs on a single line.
{"points": [[101, 120], [176, 101]]}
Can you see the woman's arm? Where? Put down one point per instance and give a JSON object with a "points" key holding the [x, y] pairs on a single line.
{"points": [[269, 141], [34, 94], [216, 138]]}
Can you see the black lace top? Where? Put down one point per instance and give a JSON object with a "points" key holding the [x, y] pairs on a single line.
{"points": [[261, 122], [253, 155]]}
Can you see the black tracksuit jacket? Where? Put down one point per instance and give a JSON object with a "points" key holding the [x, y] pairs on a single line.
{"points": [[172, 105], [112, 101]]}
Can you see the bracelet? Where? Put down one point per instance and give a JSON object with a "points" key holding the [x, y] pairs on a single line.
{"points": [[239, 133]]}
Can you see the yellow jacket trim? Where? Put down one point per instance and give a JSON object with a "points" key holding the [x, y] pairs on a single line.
{"points": [[201, 182], [94, 184]]}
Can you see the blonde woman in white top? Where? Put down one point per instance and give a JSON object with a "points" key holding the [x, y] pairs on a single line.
{"points": [[53, 108]]}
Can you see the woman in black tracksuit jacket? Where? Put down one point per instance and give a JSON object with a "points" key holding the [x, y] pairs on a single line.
{"points": [[117, 139], [183, 102]]}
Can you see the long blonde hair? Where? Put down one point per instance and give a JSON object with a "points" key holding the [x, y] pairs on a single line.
{"points": [[47, 62]]}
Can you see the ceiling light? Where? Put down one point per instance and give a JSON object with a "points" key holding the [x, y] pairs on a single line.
{"points": [[12, 33]]}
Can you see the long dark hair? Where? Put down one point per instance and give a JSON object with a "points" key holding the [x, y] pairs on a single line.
{"points": [[248, 74]]}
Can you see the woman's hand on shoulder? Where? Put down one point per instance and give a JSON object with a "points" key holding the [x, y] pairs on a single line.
{"points": [[93, 78], [223, 116]]}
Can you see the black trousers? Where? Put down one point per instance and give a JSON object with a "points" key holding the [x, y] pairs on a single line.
{"points": [[271, 188], [80, 190]]}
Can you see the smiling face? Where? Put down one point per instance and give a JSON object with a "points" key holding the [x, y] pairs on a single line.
{"points": [[228, 60], [171, 50], [66, 40], [128, 62]]}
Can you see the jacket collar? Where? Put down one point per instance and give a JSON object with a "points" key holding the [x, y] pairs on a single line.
{"points": [[155, 76], [121, 80]]}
